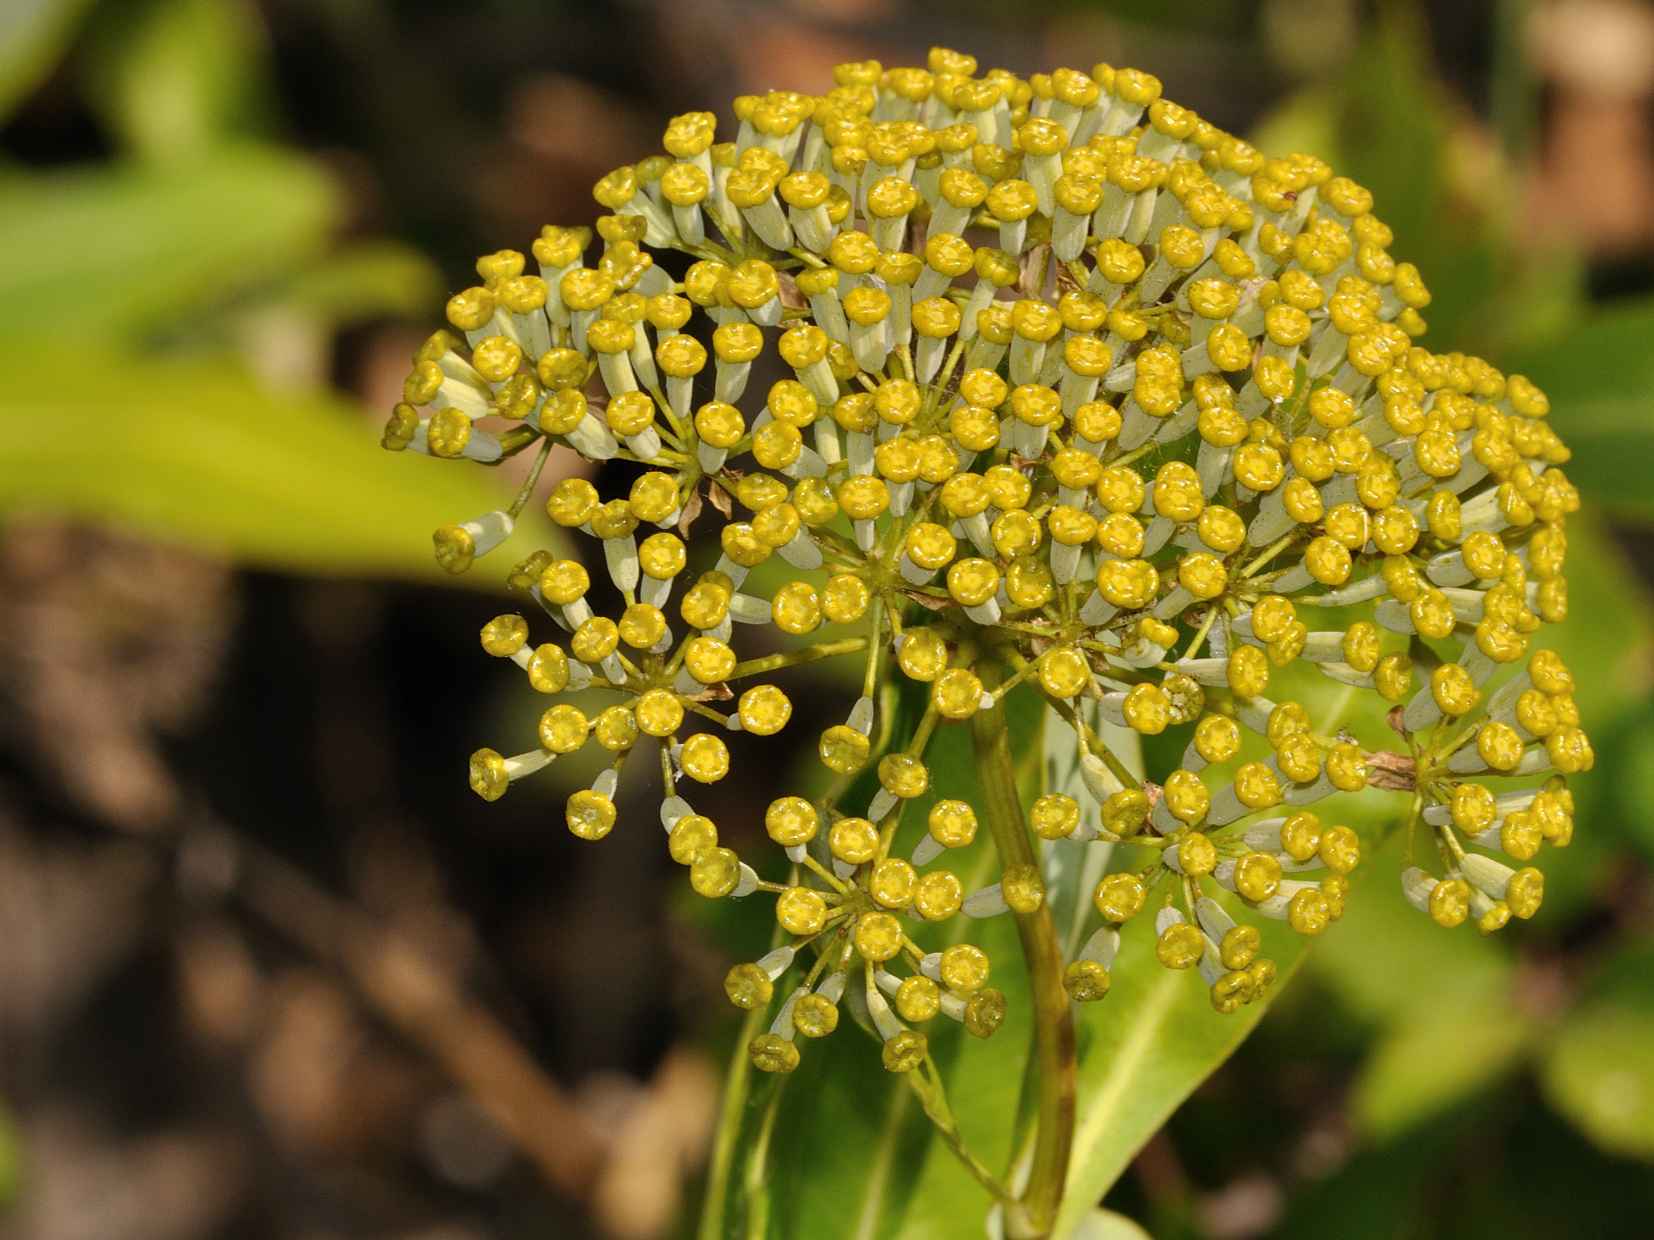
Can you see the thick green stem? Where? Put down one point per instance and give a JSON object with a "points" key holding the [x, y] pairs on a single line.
{"points": [[1034, 1214]]}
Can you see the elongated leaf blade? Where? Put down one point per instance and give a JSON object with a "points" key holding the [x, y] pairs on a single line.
{"points": [[202, 455], [1143, 1050], [112, 254]]}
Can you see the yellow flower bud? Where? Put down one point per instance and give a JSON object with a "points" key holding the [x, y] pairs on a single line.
{"points": [[1120, 897]]}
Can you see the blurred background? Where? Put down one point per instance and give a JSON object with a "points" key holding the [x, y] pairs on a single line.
{"points": [[268, 969]]}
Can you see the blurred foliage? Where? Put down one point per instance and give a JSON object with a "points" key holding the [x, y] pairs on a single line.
{"points": [[121, 253], [208, 457], [1600, 377], [33, 34], [11, 1161], [174, 78], [144, 298]]}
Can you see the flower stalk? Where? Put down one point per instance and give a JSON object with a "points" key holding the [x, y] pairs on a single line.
{"points": [[1033, 1213]]}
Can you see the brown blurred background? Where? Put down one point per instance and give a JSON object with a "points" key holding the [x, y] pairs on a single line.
{"points": [[268, 969]]}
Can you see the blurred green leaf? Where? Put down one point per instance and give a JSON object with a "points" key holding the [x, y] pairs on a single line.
{"points": [[1144, 1049], [33, 34], [11, 1160], [1600, 378], [201, 454], [1304, 121], [1626, 747], [1379, 1194], [1541, 298], [1432, 1063], [376, 277], [1599, 1071], [1513, 96], [174, 77], [1392, 127], [1388, 963], [1187, 18], [114, 253]]}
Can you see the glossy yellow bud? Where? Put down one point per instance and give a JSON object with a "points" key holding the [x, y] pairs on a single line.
{"points": [[1450, 902], [705, 757], [854, 841], [957, 693], [1120, 897], [764, 710], [1180, 946], [1054, 816], [590, 815], [903, 775], [964, 968], [770, 1052], [1257, 876], [1197, 856], [905, 1052], [1309, 912], [878, 936], [1256, 786]]}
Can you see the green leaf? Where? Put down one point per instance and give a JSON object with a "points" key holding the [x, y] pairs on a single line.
{"points": [[1600, 379], [33, 33], [201, 454], [1392, 128], [1390, 964], [1378, 1194], [172, 78], [1599, 1071], [377, 277], [851, 1153], [1626, 747], [1143, 1050], [1303, 121], [115, 253], [1429, 1065], [11, 1161]]}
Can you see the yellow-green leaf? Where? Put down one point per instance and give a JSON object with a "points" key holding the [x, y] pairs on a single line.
{"points": [[201, 454], [114, 253], [1599, 1071], [1428, 1065], [172, 78], [1143, 1050]]}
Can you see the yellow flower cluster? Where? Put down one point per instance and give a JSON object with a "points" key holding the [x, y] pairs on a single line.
{"points": [[1039, 382]]}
